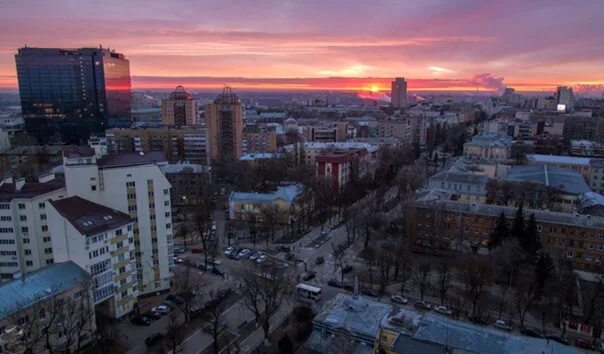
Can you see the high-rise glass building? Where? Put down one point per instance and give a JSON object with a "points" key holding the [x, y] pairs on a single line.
{"points": [[67, 94]]}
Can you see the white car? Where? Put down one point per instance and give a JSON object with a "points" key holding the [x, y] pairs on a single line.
{"points": [[244, 253], [443, 310], [399, 299], [501, 324], [229, 250], [163, 309], [262, 258]]}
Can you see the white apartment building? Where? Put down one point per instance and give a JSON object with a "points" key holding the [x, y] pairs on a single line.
{"points": [[25, 243], [100, 240], [305, 153], [132, 183]]}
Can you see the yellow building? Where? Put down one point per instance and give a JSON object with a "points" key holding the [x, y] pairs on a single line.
{"points": [[224, 124]]}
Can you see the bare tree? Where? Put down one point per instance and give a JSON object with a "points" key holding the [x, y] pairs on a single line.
{"points": [[444, 278], [476, 274], [110, 339], [174, 334], [215, 322], [203, 225], [338, 254], [75, 319], [421, 277], [524, 292], [264, 290], [188, 286]]}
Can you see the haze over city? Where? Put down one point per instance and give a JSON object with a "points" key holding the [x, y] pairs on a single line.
{"points": [[440, 45]]}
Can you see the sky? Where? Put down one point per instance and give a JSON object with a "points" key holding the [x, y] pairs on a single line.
{"points": [[441, 45]]}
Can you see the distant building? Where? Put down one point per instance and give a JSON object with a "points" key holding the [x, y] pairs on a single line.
{"points": [[186, 143], [398, 93], [489, 146], [26, 240], [596, 175], [305, 153], [340, 167], [586, 148], [72, 92], [100, 240], [409, 130], [179, 109], [224, 124], [189, 183], [578, 164], [29, 303], [284, 202], [565, 99], [134, 184], [258, 140], [33, 158]]}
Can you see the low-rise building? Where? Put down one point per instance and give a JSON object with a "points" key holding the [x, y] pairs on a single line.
{"points": [[189, 183], [35, 157], [30, 304], [446, 224], [258, 139], [338, 168], [284, 203], [489, 146], [100, 240], [596, 175], [305, 153], [579, 164], [586, 148]]}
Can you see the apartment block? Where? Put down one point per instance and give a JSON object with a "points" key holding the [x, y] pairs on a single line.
{"points": [[259, 139], [100, 240], [25, 242], [134, 184]]}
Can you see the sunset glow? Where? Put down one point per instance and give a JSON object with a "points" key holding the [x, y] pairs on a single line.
{"points": [[346, 45]]}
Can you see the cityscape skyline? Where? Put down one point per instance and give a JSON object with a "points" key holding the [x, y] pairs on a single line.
{"points": [[467, 46]]}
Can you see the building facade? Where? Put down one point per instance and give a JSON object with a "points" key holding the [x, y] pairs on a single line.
{"points": [[489, 146], [284, 203], [259, 139], [189, 183], [179, 109], [100, 240], [134, 184], [72, 92], [224, 124], [25, 240], [398, 93]]}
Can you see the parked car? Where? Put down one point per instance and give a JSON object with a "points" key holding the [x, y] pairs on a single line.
{"points": [[501, 324], [347, 269], [557, 338], [177, 299], [153, 339], [529, 332], [370, 292], [443, 310], [163, 309], [141, 321], [154, 315], [179, 250], [422, 305], [261, 258], [178, 260], [399, 299], [217, 271], [283, 248], [189, 262], [171, 305], [335, 283], [196, 311], [583, 343], [234, 256], [244, 253], [254, 255], [325, 233], [308, 276], [196, 250], [223, 293], [229, 250]]}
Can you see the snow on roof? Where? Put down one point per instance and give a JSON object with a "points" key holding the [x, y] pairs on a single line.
{"points": [[288, 193], [566, 180], [558, 159]]}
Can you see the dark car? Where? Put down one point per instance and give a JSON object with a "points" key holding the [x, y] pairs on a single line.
{"points": [[347, 269], [531, 332], [283, 248], [217, 271], [558, 339], [583, 343], [422, 305], [308, 276], [370, 292], [234, 256], [479, 320], [177, 299], [196, 311], [153, 315], [196, 250], [189, 262], [153, 339], [223, 293], [335, 283], [141, 321]]}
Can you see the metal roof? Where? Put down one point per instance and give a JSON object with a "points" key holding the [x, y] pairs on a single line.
{"points": [[288, 193], [558, 159], [566, 180], [39, 285]]}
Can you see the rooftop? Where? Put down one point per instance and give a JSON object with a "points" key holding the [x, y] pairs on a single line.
{"points": [[287, 193], [185, 167], [494, 210], [131, 159], [90, 218], [490, 139], [315, 145], [557, 159], [35, 150], [78, 151], [429, 332], [260, 156], [568, 181], [38, 285], [9, 191]]}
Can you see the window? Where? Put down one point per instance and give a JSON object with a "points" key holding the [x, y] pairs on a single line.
{"points": [[539, 228], [93, 188], [21, 206], [48, 250], [5, 218], [166, 191], [168, 226], [130, 184], [569, 254], [167, 203], [22, 217], [27, 252], [42, 216], [26, 240], [45, 239], [131, 196], [50, 261], [151, 205], [122, 270], [167, 214], [44, 228], [29, 263], [4, 206], [24, 229], [118, 232]]}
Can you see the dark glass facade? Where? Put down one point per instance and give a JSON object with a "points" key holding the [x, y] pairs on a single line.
{"points": [[68, 94]]}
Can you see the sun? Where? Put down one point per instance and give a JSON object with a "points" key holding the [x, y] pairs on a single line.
{"points": [[374, 88]]}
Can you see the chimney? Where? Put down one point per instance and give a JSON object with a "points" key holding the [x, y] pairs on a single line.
{"points": [[20, 183]]}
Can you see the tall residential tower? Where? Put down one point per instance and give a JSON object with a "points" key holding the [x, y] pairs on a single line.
{"points": [[224, 124], [179, 109], [398, 94]]}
